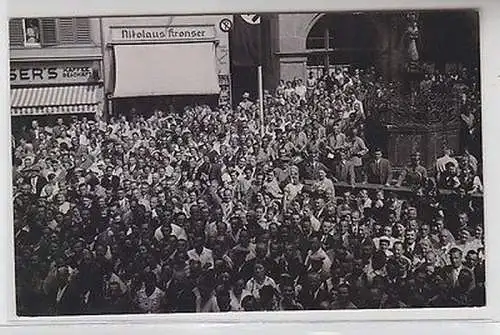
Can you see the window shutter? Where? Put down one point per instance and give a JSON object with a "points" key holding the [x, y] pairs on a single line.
{"points": [[66, 30], [49, 32], [82, 30], [16, 33]]}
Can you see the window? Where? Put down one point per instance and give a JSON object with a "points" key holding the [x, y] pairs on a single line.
{"points": [[31, 31], [341, 39], [46, 32]]}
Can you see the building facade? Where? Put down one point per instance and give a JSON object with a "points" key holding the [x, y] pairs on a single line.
{"points": [[55, 67], [162, 62], [319, 41]]}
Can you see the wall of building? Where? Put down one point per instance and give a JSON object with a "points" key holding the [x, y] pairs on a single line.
{"points": [[222, 44], [293, 30], [51, 63], [67, 53], [62, 51]]}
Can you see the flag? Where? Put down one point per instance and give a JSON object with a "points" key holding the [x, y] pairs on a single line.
{"points": [[246, 41]]}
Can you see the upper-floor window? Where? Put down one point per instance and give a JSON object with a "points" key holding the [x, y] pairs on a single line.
{"points": [[44, 32], [31, 30]]}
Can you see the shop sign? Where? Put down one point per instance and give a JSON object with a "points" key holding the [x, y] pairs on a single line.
{"points": [[162, 34], [53, 73]]}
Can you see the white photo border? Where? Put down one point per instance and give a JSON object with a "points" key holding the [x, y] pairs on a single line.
{"points": [[489, 11]]}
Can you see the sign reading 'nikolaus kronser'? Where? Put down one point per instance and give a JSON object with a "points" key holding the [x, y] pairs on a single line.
{"points": [[162, 34]]}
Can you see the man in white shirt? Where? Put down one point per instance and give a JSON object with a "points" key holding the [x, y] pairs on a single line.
{"points": [[443, 160], [201, 254], [246, 103], [301, 89], [168, 230], [317, 252]]}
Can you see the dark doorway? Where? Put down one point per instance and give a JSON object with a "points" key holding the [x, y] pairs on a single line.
{"points": [[168, 104], [342, 38], [450, 38]]}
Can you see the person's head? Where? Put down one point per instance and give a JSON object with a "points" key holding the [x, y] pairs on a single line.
{"points": [[327, 227], [288, 292], [259, 271], [447, 151], [62, 275], [114, 289], [315, 243], [415, 158], [261, 250], [410, 236], [398, 249], [451, 168], [384, 244], [198, 243], [456, 257], [464, 236], [425, 230], [244, 238], [387, 231], [377, 154], [478, 232], [249, 303], [444, 237], [322, 174], [463, 218], [471, 259]]}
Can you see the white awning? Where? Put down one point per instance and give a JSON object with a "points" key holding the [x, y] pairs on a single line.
{"points": [[55, 99], [165, 69]]}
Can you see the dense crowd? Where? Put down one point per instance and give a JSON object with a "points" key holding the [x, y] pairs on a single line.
{"points": [[208, 210]]}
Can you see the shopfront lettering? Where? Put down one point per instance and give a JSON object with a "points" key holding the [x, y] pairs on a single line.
{"points": [[162, 34], [21, 74], [31, 74]]}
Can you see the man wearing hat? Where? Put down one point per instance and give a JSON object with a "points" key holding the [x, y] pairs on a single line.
{"points": [[34, 178]]}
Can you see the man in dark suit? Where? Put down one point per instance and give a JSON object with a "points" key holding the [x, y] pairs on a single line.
{"points": [[33, 133], [456, 268], [344, 170], [66, 295], [310, 169], [379, 170], [35, 180], [109, 181], [312, 294], [410, 244]]}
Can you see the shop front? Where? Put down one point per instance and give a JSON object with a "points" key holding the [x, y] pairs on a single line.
{"points": [[55, 89], [166, 67]]}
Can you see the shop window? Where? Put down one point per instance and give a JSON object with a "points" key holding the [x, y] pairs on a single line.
{"points": [[45, 32]]}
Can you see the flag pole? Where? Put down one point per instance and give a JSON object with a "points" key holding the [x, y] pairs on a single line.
{"points": [[261, 100]]}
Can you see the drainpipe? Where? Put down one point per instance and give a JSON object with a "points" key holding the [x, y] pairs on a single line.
{"points": [[103, 70]]}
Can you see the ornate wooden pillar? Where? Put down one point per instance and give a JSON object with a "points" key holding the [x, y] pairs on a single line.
{"points": [[422, 121]]}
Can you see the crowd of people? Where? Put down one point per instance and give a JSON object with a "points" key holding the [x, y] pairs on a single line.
{"points": [[208, 210]]}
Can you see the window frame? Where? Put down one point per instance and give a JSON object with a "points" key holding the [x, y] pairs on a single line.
{"points": [[20, 38], [26, 44]]}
